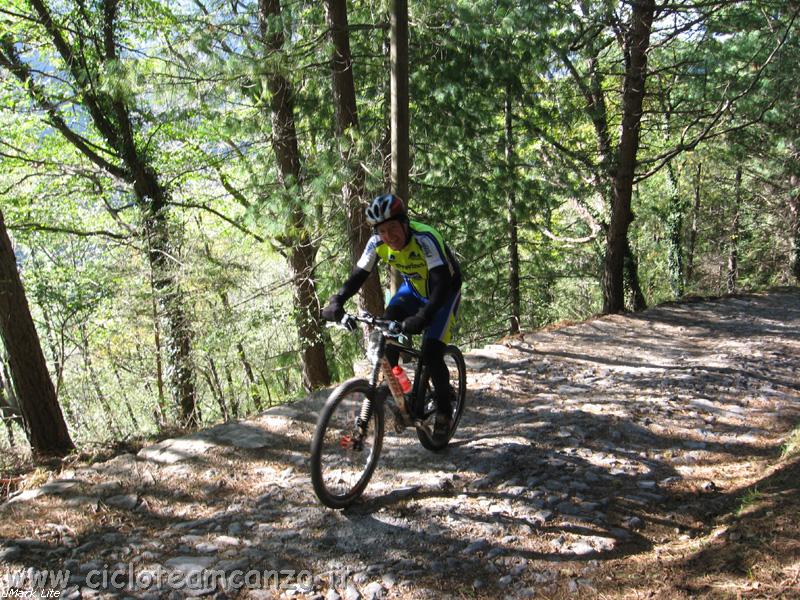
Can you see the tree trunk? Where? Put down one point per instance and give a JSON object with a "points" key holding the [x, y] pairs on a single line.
{"points": [[632, 288], [794, 210], [398, 68], [733, 243], [693, 231], [213, 387], [233, 409], [46, 429], [385, 146], [353, 193], [111, 117], [155, 413], [637, 40], [301, 250], [161, 402], [399, 92], [220, 395], [125, 400], [675, 234], [170, 299], [108, 414], [266, 387], [309, 325], [9, 409], [255, 394], [513, 245]]}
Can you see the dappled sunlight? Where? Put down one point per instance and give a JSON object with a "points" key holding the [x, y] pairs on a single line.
{"points": [[577, 460]]}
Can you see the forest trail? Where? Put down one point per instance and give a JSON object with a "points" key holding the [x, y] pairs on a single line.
{"points": [[612, 457]]}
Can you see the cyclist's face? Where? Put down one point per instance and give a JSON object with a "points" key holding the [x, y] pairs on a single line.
{"points": [[393, 234]]}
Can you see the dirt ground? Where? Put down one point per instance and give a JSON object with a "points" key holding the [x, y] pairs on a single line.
{"points": [[646, 455]]}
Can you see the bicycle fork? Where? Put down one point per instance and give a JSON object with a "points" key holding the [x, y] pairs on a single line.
{"points": [[355, 441], [362, 423], [399, 408]]}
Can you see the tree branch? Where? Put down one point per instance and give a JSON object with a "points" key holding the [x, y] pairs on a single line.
{"points": [[225, 218], [27, 226], [715, 117], [82, 79], [11, 61], [567, 240], [223, 178]]}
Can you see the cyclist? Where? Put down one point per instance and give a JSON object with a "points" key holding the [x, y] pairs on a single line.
{"points": [[428, 298]]}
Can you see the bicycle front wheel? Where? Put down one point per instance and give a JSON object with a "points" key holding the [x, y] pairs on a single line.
{"points": [[342, 461]]}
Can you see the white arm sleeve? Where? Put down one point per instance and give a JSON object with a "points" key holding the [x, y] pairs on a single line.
{"points": [[370, 254]]}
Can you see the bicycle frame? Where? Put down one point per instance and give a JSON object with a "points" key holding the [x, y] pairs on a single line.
{"points": [[343, 462], [377, 356]]}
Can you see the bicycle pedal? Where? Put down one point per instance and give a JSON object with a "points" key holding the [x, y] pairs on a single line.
{"points": [[422, 426], [350, 442]]}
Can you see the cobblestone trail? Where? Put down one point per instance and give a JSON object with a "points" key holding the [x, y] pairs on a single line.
{"points": [[578, 445]]}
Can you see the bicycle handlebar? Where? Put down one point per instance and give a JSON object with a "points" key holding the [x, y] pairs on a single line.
{"points": [[389, 328]]}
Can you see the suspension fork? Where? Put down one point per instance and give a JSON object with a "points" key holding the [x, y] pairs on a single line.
{"points": [[362, 422]]}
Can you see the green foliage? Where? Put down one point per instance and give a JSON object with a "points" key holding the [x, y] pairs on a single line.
{"points": [[791, 447], [751, 498], [720, 93]]}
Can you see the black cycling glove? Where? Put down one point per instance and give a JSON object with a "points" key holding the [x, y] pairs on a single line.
{"points": [[333, 311], [414, 324]]}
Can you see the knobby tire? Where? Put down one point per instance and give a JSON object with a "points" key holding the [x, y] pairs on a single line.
{"points": [[327, 453], [461, 391]]}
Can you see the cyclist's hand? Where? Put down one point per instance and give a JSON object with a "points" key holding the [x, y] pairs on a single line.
{"points": [[413, 324], [333, 311]]}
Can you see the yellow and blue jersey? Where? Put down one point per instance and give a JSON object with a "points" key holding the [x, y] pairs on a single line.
{"points": [[424, 251]]}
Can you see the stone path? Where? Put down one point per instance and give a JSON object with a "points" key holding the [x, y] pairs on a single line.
{"points": [[580, 445]]}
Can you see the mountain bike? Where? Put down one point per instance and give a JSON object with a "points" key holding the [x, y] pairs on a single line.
{"points": [[349, 434]]}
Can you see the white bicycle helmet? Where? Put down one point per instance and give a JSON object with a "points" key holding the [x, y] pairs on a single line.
{"points": [[385, 208]]}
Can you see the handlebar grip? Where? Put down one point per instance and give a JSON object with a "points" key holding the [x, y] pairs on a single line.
{"points": [[349, 323]]}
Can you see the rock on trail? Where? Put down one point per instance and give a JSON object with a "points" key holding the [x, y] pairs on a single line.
{"points": [[578, 444]]}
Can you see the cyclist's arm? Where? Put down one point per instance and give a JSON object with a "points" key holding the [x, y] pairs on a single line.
{"points": [[353, 284], [361, 271], [439, 283]]}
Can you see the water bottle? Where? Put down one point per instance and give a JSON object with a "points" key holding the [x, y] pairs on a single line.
{"points": [[402, 378], [394, 385]]}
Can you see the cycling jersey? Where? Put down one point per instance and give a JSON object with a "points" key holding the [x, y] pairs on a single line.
{"points": [[425, 250]]}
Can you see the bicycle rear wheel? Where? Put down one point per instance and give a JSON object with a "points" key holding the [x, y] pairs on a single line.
{"points": [[342, 464], [457, 369]]}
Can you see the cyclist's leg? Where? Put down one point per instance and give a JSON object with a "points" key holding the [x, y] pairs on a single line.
{"points": [[436, 338], [403, 304], [433, 357]]}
